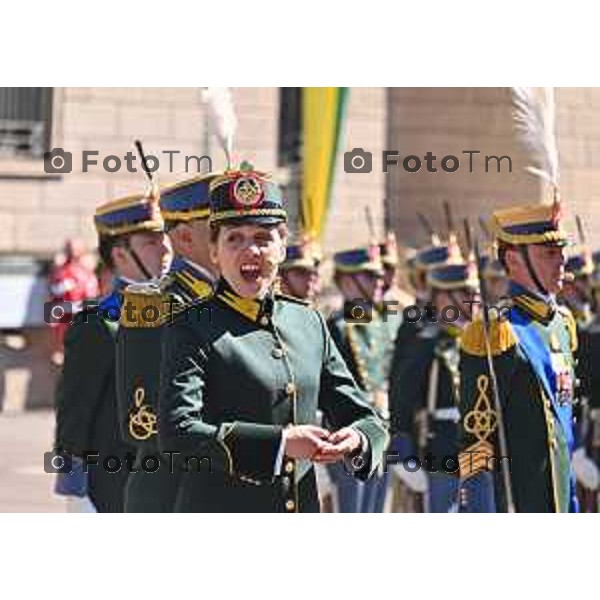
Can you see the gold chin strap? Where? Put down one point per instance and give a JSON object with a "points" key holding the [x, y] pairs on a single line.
{"points": [[524, 251], [138, 261]]}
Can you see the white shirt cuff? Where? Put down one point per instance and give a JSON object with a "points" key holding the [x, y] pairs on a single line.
{"points": [[364, 442], [280, 455]]}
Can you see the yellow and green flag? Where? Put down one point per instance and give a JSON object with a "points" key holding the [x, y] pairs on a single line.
{"points": [[323, 111]]}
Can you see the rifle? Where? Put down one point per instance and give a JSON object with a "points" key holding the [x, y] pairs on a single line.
{"points": [[139, 148], [427, 226], [580, 231], [449, 218]]}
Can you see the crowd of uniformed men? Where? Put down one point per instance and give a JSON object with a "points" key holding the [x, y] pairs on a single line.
{"points": [[462, 399]]}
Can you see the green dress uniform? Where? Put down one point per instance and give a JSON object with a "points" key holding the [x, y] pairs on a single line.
{"points": [[531, 348], [228, 391], [590, 383], [587, 413], [153, 484], [424, 396], [86, 401], [427, 416], [365, 341], [425, 259], [588, 358]]}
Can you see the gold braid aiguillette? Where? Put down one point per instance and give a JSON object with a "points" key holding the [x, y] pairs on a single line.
{"points": [[142, 421], [481, 421]]}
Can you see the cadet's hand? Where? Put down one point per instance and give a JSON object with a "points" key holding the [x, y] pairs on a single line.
{"points": [[341, 442], [304, 441]]}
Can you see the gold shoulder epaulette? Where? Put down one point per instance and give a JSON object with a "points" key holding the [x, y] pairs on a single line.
{"points": [[200, 288], [501, 336], [571, 324], [203, 290], [144, 306], [294, 299]]}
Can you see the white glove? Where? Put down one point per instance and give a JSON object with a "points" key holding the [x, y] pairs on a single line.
{"points": [[77, 504], [416, 481], [585, 469]]}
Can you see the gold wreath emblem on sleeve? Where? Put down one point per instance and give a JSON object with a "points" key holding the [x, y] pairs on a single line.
{"points": [[142, 420]]}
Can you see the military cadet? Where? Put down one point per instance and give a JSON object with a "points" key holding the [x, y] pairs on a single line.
{"points": [[490, 269], [425, 259], [133, 245], [495, 277], [153, 484], [589, 374], [363, 336], [579, 296], [576, 293], [299, 271], [238, 400], [424, 393], [522, 430], [388, 251]]}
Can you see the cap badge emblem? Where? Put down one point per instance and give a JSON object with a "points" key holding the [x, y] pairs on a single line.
{"points": [[247, 192]]}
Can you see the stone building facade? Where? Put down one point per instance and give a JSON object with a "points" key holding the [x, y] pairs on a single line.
{"points": [[448, 121], [39, 211]]}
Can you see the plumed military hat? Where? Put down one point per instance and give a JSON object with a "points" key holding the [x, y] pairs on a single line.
{"points": [[539, 223], [246, 196]]}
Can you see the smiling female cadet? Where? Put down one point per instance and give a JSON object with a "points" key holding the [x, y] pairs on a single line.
{"points": [[241, 395]]}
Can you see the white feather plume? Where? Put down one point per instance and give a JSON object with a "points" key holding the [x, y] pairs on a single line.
{"points": [[221, 116], [534, 120]]}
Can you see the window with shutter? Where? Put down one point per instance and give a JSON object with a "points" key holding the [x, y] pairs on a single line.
{"points": [[25, 122]]}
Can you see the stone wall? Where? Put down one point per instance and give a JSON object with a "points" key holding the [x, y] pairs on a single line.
{"points": [[451, 120]]}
